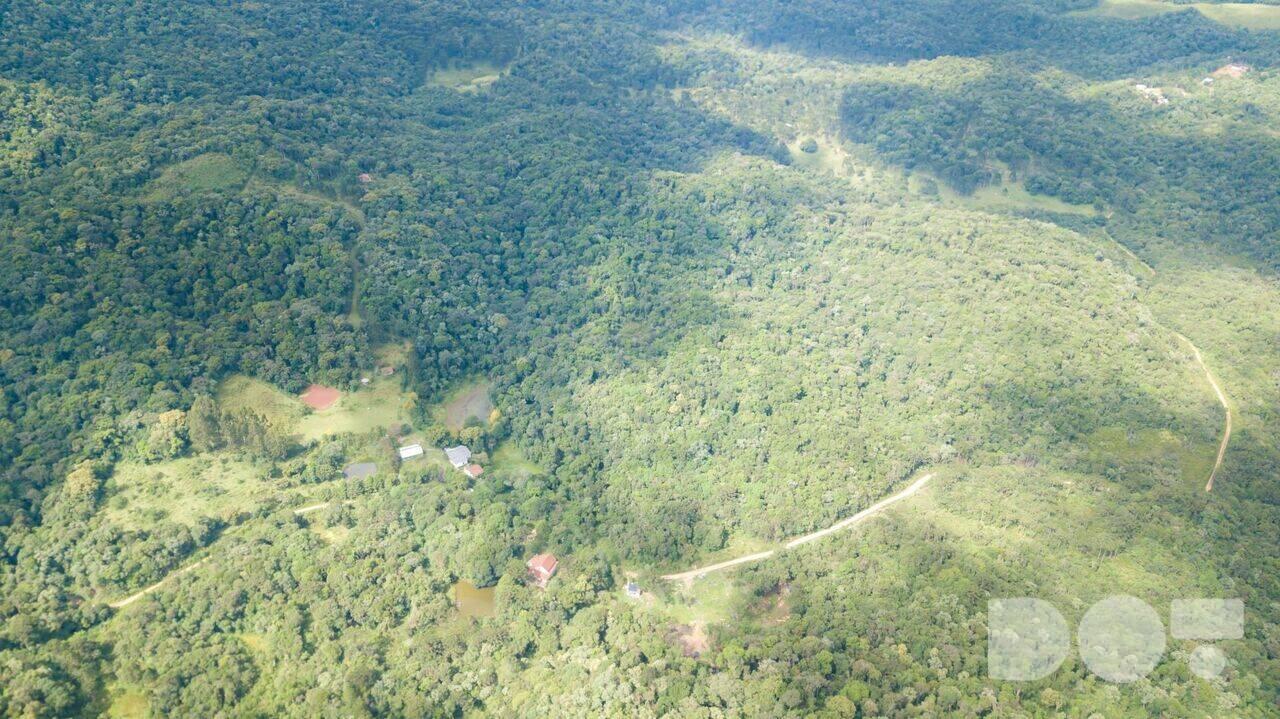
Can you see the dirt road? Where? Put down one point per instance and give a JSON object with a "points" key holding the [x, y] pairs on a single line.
{"points": [[1222, 399], [126, 601], [916, 486], [122, 603]]}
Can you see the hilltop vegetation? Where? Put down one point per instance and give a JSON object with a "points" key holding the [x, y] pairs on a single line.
{"points": [[687, 281]]}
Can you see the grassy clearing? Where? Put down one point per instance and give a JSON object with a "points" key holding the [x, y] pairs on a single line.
{"points": [[204, 173], [281, 410], [393, 354], [709, 600], [332, 535], [256, 643], [1008, 196], [1131, 9], [380, 405], [467, 76], [184, 490], [1078, 529], [1253, 16], [1012, 196], [1193, 460], [469, 402], [127, 703], [827, 155], [508, 458]]}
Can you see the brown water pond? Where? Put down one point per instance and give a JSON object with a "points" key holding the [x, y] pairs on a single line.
{"points": [[471, 601]]}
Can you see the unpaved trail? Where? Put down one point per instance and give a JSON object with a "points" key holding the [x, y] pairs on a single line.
{"points": [[1222, 399], [916, 486], [126, 601], [122, 603]]}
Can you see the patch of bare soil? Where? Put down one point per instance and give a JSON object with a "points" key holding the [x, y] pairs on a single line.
{"points": [[692, 638], [320, 397]]}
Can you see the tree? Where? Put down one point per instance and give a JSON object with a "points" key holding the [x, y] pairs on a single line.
{"points": [[203, 427], [167, 437]]}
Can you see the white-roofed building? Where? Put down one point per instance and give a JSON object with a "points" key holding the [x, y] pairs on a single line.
{"points": [[409, 451]]}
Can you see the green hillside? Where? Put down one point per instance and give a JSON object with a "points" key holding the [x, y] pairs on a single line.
{"points": [[691, 281]]}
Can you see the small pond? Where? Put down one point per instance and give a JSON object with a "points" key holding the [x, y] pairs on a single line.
{"points": [[471, 601]]}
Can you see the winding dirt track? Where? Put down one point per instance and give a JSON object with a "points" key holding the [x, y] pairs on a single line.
{"points": [[916, 486], [690, 575], [122, 603], [1222, 399], [126, 601]]}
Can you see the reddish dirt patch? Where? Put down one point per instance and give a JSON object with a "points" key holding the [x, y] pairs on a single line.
{"points": [[1235, 70], [319, 397], [691, 638]]}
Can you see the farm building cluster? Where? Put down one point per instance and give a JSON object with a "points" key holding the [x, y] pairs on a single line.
{"points": [[459, 457]]}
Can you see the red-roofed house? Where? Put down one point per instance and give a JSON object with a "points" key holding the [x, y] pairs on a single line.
{"points": [[364, 178], [541, 567], [473, 470]]}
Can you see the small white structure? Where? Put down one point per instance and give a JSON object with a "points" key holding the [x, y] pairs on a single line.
{"points": [[458, 456], [409, 451]]}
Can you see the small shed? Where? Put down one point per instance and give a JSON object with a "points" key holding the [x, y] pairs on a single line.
{"points": [[541, 568], [473, 470], [458, 456], [364, 178], [633, 590], [410, 451]]}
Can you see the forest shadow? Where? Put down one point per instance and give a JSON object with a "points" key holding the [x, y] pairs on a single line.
{"points": [[1094, 47], [1191, 186]]}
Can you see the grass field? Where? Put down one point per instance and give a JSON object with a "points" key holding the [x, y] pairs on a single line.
{"points": [[827, 156], [379, 406], [127, 704], [1008, 196], [1254, 16], [394, 354], [1013, 196], [184, 490], [508, 457], [708, 600], [281, 410], [203, 173], [467, 77], [468, 402], [1193, 460]]}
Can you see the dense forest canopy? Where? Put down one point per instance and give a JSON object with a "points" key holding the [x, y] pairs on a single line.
{"points": [[689, 279]]}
